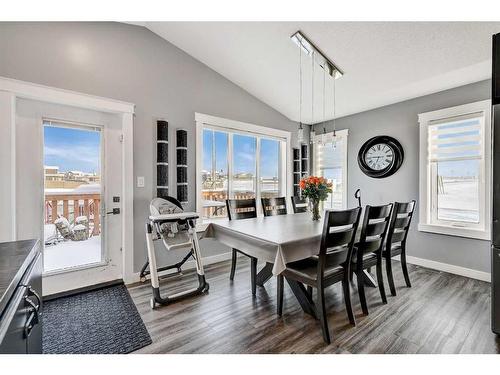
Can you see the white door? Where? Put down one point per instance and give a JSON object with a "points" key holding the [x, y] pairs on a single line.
{"points": [[89, 173]]}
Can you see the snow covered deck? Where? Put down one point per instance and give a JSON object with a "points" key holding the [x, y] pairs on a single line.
{"points": [[70, 254]]}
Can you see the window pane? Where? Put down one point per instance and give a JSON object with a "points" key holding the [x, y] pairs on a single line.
{"points": [[458, 190], [269, 168], [215, 173], [329, 164], [244, 163]]}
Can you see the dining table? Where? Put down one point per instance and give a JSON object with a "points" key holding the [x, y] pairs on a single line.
{"points": [[277, 241]]}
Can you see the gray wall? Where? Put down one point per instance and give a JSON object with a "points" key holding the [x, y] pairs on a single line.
{"points": [[400, 121], [130, 63]]}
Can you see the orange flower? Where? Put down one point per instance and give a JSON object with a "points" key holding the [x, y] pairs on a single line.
{"points": [[302, 184]]}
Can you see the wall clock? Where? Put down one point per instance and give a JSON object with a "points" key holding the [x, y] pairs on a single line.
{"points": [[380, 156]]}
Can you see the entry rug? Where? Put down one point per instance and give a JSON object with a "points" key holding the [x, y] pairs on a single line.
{"points": [[103, 321]]}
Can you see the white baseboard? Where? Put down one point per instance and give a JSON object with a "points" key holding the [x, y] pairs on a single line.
{"points": [[187, 266], [445, 267], [450, 268]]}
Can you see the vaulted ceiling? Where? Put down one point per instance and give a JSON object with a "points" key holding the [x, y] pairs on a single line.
{"points": [[383, 62]]}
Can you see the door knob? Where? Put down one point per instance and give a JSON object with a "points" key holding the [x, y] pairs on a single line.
{"points": [[116, 211]]}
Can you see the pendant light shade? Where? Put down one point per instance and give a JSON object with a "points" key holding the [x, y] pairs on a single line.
{"points": [[334, 138], [300, 134]]}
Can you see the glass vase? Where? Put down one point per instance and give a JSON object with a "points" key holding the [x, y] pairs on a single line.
{"points": [[315, 210]]}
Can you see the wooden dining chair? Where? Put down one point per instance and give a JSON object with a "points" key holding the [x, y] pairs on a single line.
{"points": [[299, 205], [396, 240], [330, 266], [238, 209], [368, 251], [274, 206]]}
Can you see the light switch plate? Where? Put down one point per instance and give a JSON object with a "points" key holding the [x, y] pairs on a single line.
{"points": [[140, 181]]}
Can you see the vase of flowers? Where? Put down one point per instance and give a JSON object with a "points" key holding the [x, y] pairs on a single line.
{"points": [[316, 189]]}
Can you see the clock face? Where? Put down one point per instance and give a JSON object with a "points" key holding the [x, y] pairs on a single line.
{"points": [[379, 156]]}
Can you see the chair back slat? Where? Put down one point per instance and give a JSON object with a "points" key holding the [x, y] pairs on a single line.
{"points": [[373, 231], [241, 208], [299, 205], [376, 228], [372, 245], [379, 212], [398, 236], [341, 238], [274, 206], [405, 208], [399, 224], [337, 241], [337, 256], [402, 222], [340, 219]]}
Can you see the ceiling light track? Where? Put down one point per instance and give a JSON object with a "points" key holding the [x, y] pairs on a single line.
{"points": [[310, 49]]}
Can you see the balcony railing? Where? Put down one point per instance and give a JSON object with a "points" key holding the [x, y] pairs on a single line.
{"points": [[72, 205], [221, 196]]}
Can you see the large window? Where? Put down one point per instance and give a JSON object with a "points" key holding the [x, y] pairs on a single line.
{"points": [[238, 161], [455, 170], [330, 161]]}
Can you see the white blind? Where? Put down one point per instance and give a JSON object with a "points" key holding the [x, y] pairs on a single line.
{"points": [[328, 157], [457, 138]]}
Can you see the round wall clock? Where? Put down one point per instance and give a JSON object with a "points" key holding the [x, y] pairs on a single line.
{"points": [[380, 156]]}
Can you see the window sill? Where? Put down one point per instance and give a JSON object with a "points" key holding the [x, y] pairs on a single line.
{"points": [[477, 234]]}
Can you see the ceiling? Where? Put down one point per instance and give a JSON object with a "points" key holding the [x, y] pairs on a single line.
{"points": [[383, 62]]}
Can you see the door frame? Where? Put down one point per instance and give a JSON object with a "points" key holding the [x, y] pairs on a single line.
{"points": [[27, 90]]}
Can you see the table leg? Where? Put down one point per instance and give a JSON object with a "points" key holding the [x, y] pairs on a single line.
{"points": [[369, 280], [265, 274], [303, 297]]}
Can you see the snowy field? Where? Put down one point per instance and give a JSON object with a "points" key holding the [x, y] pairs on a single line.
{"points": [[459, 200]]}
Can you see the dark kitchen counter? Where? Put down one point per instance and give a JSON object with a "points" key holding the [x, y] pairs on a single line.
{"points": [[15, 257]]}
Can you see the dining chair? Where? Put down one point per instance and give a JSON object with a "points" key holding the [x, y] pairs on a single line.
{"points": [[368, 251], [330, 266], [396, 240], [299, 205], [238, 209], [274, 206]]}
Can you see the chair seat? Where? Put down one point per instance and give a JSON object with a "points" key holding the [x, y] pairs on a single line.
{"points": [[307, 270]]}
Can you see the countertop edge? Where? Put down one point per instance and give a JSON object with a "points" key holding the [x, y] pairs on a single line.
{"points": [[11, 288]]}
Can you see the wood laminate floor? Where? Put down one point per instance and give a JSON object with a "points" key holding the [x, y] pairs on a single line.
{"points": [[441, 313]]}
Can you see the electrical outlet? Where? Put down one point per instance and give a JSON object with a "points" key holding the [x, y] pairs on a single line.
{"points": [[140, 181]]}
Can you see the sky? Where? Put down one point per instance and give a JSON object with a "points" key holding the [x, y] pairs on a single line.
{"points": [[244, 148], [72, 149]]}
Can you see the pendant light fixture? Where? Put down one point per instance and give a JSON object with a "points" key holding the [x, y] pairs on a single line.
{"points": [[334, 138], [323, 136], [307, 47], [300, 131]]}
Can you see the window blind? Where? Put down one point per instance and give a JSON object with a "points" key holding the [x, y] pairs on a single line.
{"points": [[457, 138], [328, 158]]}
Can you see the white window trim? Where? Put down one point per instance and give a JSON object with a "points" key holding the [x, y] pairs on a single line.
{"points": [[425, 224], [344, 134], [203, 121]]}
